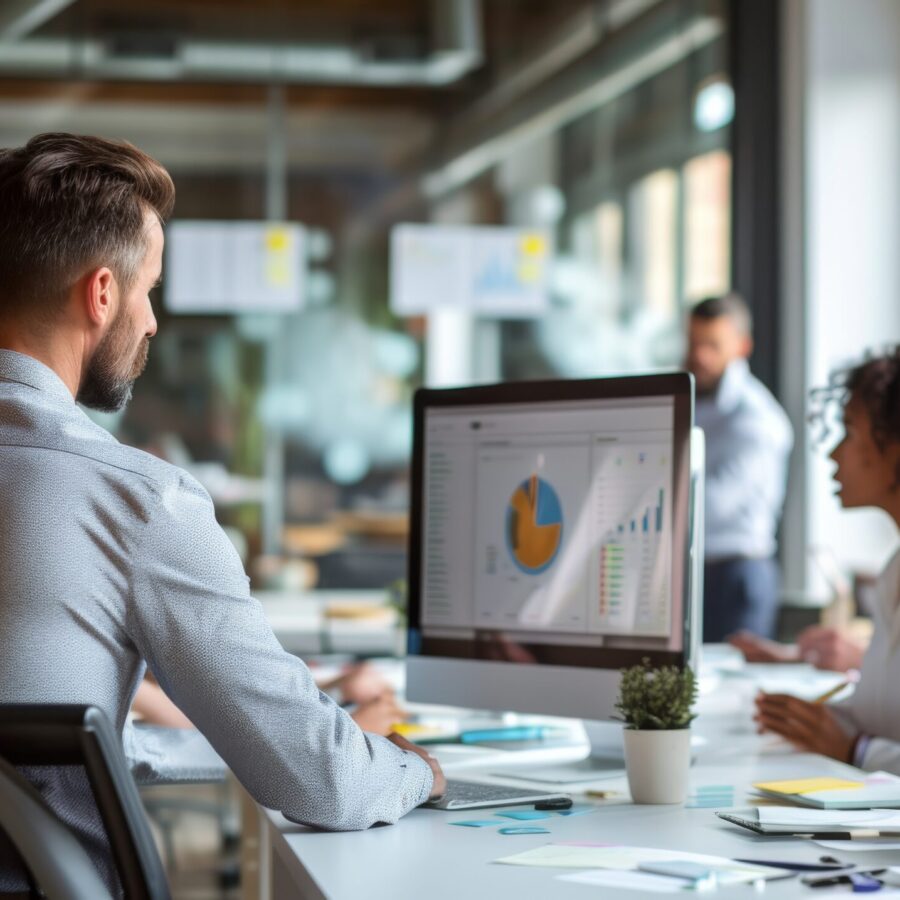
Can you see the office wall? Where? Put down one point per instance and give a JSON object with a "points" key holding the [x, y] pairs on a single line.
{"points": [[842, 216]]}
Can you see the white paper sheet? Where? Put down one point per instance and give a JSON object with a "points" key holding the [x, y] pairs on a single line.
{"points": [[634, 881]]}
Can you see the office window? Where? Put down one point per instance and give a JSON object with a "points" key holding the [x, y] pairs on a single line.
{"points": [[707, 225], [654, 223]]}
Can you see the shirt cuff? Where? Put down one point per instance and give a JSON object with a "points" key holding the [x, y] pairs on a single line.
{"points": [[418, 780]]}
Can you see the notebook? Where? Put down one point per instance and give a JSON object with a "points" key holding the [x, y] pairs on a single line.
{"points": [[879, 790], [821, 823]]}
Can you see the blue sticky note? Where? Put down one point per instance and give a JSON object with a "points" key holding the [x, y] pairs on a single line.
{"points": [[715, 789], [525, 814], [477, 823], [577, 811], [523, 829]]}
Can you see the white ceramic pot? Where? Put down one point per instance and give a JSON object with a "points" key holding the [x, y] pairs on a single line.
{"points": [[657, 763]]}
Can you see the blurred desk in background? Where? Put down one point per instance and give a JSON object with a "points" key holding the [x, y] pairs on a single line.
{"points": [[357, 622]]}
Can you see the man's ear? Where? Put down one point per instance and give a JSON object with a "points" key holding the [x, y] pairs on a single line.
{"points": [[747, 346], [100, 296]]}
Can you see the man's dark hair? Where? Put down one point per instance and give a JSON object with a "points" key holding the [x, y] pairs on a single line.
{"points": [[875, 385], [732, 306], [68, 204]]}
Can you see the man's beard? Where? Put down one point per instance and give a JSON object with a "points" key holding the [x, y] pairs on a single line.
{"points": [[105, 387]]}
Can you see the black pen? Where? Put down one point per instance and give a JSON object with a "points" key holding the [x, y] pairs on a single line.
{"points": [[794, 866]]}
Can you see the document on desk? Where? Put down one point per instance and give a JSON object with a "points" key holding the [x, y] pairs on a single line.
{"points": [[611, 856], [860, 846]]}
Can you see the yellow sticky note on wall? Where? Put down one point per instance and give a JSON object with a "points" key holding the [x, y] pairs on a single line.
{"points": [[808, 785]]}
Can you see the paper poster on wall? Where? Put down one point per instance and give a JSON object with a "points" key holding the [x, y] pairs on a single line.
{"points": [[234, 267], [490, 270]]}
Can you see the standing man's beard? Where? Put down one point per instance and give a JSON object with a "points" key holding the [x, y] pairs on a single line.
{"points": [[105, 387]]}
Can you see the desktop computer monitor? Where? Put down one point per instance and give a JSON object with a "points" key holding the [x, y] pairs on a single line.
{"points": [[551, 541]]}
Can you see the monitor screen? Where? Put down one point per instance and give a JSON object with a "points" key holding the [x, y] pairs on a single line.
{"points": [[552, 530]]}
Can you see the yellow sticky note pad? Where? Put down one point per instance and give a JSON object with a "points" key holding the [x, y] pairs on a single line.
{"points": [[808, 785], [414, 730]]}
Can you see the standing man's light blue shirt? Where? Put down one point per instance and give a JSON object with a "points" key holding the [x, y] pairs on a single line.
{"points": [[748, 445], [109, 558]]}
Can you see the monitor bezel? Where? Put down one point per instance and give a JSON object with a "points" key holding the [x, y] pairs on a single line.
{"points": [[679, 386]]}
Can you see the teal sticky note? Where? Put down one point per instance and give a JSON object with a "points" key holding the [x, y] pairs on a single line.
{"points": [[523, 829], [577, 811], [710, 801], [715, 789], [525, 814], [477, 823]]}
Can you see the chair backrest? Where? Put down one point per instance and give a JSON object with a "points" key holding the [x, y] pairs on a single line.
{"points": [[66, 735], [52, 854]]}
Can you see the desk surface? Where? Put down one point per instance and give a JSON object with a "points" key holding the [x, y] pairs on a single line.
{"points": [[424, 856]]}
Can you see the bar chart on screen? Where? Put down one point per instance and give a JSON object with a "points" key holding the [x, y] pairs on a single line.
{"points": [[633, 561]]}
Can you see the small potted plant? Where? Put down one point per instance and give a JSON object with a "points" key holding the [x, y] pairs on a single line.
{"points": [[655, 705]]}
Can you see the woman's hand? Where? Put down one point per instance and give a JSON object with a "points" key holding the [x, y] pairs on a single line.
{"points": [[808, 726]]}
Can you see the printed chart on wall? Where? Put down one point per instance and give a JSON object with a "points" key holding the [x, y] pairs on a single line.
{"points": [[527, 526], [633, 529]]}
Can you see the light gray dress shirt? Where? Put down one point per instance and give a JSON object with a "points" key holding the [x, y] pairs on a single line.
{"points": [[873, 710], [748, 445], [110, 557]]}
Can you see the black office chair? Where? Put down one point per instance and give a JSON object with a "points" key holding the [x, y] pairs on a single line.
{"points": [[57, 735], [50, 852]]}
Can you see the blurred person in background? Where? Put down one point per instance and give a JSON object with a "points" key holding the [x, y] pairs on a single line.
{"points": [[822, 646], [748, 445], [361, 689]]}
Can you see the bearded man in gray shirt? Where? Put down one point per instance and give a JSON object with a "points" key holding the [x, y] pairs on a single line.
{"points": [[110, 559]]}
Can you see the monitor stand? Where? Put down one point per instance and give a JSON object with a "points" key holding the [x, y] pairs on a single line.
{"points": [[605, 759]]}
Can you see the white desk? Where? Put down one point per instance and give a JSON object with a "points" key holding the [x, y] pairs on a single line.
{"points": [[424, 856]]}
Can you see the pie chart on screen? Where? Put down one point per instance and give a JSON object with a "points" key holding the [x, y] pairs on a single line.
{"points": [[534, 525]]}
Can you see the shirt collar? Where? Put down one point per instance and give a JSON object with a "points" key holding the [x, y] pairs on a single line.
{"points": [[22, 369]]}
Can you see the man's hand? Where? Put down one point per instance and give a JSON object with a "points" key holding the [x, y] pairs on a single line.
{"points": [[439, 788], [808, 726], [379, 715], [760, 649], [827, 648]]}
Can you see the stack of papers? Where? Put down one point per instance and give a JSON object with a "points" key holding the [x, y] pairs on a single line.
{"points": [[790, 820], [880, 790]]}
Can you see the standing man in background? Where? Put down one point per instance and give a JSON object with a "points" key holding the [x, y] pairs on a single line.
{"points": [[748, 444]]}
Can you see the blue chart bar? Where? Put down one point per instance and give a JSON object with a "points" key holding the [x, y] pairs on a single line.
{"points": [[657, 511]]}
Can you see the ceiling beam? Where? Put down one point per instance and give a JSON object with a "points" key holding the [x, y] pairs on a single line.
{"points": [[19, 18], [457, 52]]}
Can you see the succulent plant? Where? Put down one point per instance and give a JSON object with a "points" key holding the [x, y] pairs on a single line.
{"points": [[656, 699]]}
